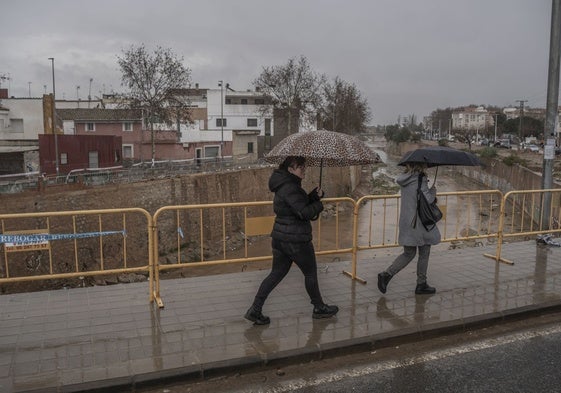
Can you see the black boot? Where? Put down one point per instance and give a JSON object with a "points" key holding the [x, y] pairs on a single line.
{"points": [[257, 317], [324, 311], [424, 289], [383, 280]]}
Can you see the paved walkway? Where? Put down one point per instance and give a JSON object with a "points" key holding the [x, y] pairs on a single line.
{"points": [[86, 338]]}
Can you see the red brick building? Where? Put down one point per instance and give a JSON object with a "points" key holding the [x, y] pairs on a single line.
{"points": [[79, 152], [127, 124]]}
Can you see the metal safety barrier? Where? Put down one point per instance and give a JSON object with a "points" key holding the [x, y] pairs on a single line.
{"points": [[79, 244], [190, 236], [527, 213], [75, 244], [468, 216]]}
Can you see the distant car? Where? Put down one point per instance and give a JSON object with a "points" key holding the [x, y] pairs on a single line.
{"points": [[503, 143], [532, 148]]}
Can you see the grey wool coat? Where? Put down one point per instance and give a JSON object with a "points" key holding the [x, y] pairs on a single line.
{"points": [[418, 235]]}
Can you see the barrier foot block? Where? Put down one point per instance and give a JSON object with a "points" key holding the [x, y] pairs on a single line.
{"points": [[360, 280], [502, 260]]}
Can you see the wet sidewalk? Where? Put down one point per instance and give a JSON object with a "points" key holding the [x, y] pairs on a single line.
{"points": [[86, 338]]}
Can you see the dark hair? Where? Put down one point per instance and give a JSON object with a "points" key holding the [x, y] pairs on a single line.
{"points": [[291, 161]]}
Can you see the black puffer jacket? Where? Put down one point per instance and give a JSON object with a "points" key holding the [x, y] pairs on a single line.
{"points": [[293, 208]]}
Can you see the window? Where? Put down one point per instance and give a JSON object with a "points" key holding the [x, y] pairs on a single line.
{"points": [[259, 101], [249, 147], [15, 125], [212, 151], [127, 126], [244, 101], [90, 126], [252, 122], [128, 151], [267, 134], [221, 122], [63, 158], [228, 100]]}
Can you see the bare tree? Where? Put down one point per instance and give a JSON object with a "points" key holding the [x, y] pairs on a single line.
{"points": [[344, 109], [153, 80], [293, 87]]}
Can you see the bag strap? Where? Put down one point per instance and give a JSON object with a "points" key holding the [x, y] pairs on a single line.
{"points": [[414, 223]]}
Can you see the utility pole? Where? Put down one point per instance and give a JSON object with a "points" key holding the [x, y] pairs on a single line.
{"points": [[551, 108], [221, 84], [520, 134], [52, 59], [496, 121], [90, 92]]}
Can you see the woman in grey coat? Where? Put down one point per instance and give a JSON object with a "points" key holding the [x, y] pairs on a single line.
{"points": [[412, 233]]}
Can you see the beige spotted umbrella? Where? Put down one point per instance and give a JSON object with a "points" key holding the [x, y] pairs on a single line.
{"points": [[323, 148]]}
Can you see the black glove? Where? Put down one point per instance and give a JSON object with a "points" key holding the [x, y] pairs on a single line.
{"points": [[314, 196]]}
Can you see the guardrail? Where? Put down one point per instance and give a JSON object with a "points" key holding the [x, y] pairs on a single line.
{"points": [[468, 216], [527, 213], [188, 232], [75, 244], [17, 183], [78, 244]]}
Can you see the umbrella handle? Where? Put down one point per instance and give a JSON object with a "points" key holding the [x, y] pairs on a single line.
{"points": [[320, 171], [435, 173]]}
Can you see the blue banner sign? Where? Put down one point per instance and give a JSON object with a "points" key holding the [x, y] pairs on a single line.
{"points": [[19, 241]]}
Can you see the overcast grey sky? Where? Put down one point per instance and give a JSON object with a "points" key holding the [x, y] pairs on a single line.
{"points": [[406, 57]]}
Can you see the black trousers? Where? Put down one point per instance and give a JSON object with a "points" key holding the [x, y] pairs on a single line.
{"points": [[284, 253]]}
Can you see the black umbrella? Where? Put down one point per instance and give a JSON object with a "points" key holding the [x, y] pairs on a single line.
{"points": [[434, 156]]}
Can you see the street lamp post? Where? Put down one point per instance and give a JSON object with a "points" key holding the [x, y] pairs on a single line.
{"points": [[221, 84], [53, 120], [496, 120]]}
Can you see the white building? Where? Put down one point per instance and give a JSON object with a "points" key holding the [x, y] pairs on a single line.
{"points": [[231, 119], [472, 118], [224, 123]]}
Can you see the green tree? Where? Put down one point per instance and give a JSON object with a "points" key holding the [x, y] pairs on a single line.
{"points": [[293, 87], [441, 119], [344, 109], [530, 126], [153, 81], [397, 134]]}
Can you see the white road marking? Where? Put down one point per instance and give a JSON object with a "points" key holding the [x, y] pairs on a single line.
{"points": [[426, 357]]}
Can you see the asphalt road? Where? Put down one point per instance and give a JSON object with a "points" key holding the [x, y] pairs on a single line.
{"points": [[514, 356]]}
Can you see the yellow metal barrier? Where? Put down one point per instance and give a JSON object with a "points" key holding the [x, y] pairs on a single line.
{"points": [[468, 216], [523, 213], [75, 244], [205, 235]]}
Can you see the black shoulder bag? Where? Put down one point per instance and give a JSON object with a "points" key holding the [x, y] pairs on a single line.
{"points": [[428, 213]]}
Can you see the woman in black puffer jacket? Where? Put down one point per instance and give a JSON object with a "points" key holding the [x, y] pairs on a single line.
{"points": [[292, 238]]}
